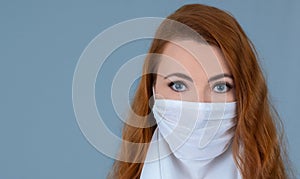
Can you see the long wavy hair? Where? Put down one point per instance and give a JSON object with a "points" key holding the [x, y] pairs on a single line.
{"points": [[257, 145]]}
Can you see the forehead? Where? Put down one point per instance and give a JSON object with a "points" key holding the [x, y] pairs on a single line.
{"points": [[193, 58]]}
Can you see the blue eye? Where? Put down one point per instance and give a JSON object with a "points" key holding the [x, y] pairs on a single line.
{"points": [[177, 86], [222, 87]]}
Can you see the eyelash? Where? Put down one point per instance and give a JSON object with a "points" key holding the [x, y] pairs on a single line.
{"points": [[174, 82], [228, 85]]}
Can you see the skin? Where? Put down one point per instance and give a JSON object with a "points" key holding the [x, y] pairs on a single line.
{"points": [[185, 69]]}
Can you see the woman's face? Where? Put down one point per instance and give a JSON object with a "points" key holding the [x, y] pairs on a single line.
{"points": [[194, 72]]}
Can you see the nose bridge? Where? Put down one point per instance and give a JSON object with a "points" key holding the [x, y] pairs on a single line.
{"points": [[201, 92], [204, 96]]}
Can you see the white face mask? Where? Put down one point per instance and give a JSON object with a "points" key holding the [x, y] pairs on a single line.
{"points": [[195, 130]]}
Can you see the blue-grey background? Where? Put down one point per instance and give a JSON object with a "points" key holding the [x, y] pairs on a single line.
{"points": [[41, 42]]}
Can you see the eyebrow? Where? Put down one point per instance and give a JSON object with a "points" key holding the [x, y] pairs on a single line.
{"points": [[220, 76], [180, 75]]}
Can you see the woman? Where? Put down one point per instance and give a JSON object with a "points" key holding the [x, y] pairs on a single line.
{"points": [[221, 67]]}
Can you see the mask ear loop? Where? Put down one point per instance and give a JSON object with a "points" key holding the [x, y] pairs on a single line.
{"points": [[153, 93], [157, 139]]}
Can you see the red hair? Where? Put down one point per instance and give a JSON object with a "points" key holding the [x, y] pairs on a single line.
{"points": [[256, 145]]}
